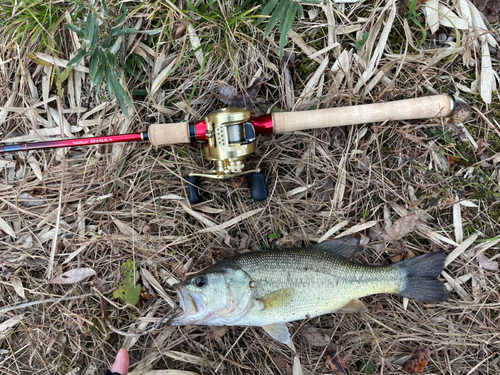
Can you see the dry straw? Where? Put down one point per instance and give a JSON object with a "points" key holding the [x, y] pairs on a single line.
{"points": [[98, 207]]}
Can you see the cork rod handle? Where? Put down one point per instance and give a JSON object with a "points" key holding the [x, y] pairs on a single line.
{"points": [[418, 108], [169, 134]]}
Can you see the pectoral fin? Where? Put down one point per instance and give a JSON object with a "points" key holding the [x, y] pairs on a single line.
{"points": [[354, 306], [279, 332], [279, 298]]}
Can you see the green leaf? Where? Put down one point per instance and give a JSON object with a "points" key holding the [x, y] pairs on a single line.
{"points": [[64, 75], [119, 31], [90, 29], [78, 31], [105, 8], [183, 152], [122, 17], [107, 74], [98, 77], [367, 367], [107, 43], [360, 43], [128, 292], [94, 64], [79, 56], [120, 94], [275, 235], [286, 25], [277, 15], [269, 7], [300, 11]]}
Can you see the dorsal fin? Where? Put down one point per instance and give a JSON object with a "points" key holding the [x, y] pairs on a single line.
{"points": [[345, 247]]}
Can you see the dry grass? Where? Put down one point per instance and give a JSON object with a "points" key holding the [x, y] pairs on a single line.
{"points": [[110, 204]]}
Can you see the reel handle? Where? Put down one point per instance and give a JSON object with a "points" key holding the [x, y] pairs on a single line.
{"points": [[194, 192], [408, 109], [258, 187]]}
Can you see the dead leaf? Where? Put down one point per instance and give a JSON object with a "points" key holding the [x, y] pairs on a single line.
{"points": [[482, 146], [188, 266], [7, 228], [147, 293], [242, 99], [454, 160], [9, 323], [325, 192], [418, 360], [313, 336], [217, 332], [289, 63], [486, 263], [243, 241], [297, 367], [400, 228], [149, 279], [179, 29], [73, 276], [337, 363], [363, 240], [490, 8], [27, 200], [396, 258], [281, 362], [18, 286]]}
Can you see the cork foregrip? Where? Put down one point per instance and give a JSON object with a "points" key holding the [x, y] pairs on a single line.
{"points": [[169, 134], [419, 108]]}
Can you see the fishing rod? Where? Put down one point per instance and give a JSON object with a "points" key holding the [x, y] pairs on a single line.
{"points": [[229, 134]]}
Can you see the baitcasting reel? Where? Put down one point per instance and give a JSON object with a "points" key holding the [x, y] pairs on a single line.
{"points": [[230, 138]]}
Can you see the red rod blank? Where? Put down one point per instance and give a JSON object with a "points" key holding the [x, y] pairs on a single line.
{"points": [[75, 142]]}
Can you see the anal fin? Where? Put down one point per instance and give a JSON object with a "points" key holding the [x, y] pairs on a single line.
{"points": [[279, 332], [354, 306]]}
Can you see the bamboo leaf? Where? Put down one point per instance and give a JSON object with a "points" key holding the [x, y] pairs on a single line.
{"points": [[105, 8], [78, 31], [269, 7], [79, 56], [94, 64], [120, 94], [300, 11], [277, 14], [286, 25]]}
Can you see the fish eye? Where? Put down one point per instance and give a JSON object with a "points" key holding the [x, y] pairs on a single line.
{"points": [[200, 281]]}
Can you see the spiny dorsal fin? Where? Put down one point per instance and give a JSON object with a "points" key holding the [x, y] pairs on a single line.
{"points": [[279, 332], [345, 247], [279, 298], [354, 306]]}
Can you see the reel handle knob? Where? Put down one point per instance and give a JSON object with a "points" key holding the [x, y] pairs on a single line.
{"points": [[194, 192], [258, 188]]}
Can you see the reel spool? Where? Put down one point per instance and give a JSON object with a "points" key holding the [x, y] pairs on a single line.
{"points": [[231, 137]]}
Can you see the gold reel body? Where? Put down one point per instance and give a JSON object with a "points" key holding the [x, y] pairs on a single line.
{"points": [[231, 137]]}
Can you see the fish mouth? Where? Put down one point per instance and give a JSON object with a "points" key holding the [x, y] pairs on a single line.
{"points": [[190, 310]]}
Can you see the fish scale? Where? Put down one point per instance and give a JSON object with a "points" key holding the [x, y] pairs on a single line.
{"points": [[322, 282]]}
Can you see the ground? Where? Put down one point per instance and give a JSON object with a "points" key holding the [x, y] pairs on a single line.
{"points": [[120, 212]]}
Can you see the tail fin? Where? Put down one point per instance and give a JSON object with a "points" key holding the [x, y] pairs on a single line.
{"points": [[421, 281]]}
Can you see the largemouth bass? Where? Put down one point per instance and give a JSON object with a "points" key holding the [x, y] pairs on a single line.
{"points": [[270, 288]]}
